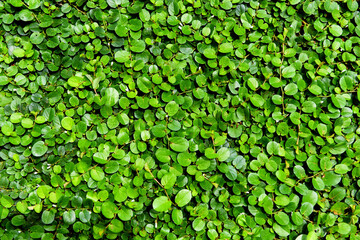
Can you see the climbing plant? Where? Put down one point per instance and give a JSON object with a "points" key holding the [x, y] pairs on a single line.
{"points": [[170, 119]]}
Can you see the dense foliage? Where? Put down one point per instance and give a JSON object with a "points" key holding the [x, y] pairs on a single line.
{"points": [[170, 119]]}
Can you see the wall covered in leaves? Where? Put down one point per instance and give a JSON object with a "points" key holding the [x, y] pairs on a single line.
{"points": [[170, 119]]}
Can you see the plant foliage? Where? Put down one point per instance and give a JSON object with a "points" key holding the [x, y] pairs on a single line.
{"points": [[170, 119]]}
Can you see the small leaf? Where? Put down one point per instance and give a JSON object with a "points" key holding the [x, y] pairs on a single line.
{"points": [[210, 53], [47, 217], [198, 224], [76, 81], [122, 56], [183, 197], [111, 96], [225, 48], [336, 30], [67, 123], [161, 204], [97, 174], [257, 100], [308, 107], [177, 216], [109, 209], [288, 72], [39, 149], [69, 217], [171, 108], [179, 144]]}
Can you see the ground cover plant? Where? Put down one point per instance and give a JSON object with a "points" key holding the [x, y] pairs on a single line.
{"points": [[169, 119]]}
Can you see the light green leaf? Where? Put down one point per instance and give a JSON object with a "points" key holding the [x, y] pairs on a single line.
{"points": [[69, 217], [137, 46], [109, 209], [97, 174], [210, 53], [33, 4], [47, 217], [67, 123], [183, 197], [198, 224], [288, 72], [39, 149], [171, 108], [335, 30], [179, 144], [161, 204], [257, 100], [111, 96], [226, 48], [76, 81], [122, 56], [177, 216]]}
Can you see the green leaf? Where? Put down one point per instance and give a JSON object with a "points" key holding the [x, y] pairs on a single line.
{"points": [[18, 220], [341, 168], [137, 46], [337, 194], [120, 194], [122, 56], [39, 149], [179, 144], [306, 209], [111, 97], [282, 218], [223, 154], [288, 72], [225, 48], [335, 30], [144, 84], [22, 206], [257, 100], [198, 224], [272, 148], [163, 155], [33, 4], [308, 107], [97, 174], [338, 148], [109, 209], [183, 197], [310, 7], [171, 108], [116, 226], [210, 53], [338, 101], [159, 130], [252, 83], [6, 201], [43, 191], [315, 89], [343, 228], [177, 216], [26, 15], [282, 231], [331, 178], [291, 89], [76, 81], [67, 123], [69, 217], [18, 52], [161, 204], [47, 217]]}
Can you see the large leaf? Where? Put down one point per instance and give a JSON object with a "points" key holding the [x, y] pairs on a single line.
{"points": [[161, 204], [183, 197], [179, 144]]}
